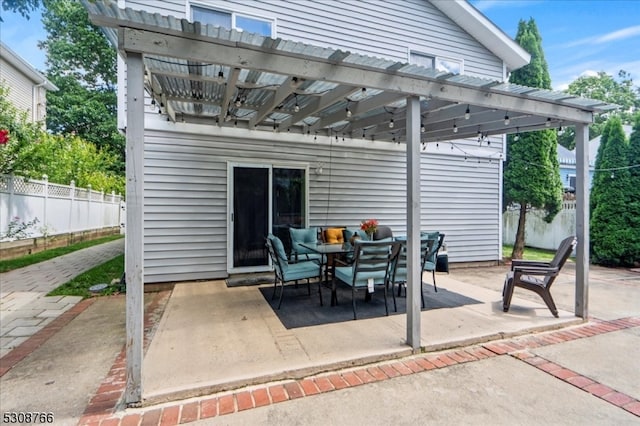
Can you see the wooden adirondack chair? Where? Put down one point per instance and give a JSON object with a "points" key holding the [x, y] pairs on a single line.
{"points": [[537, 276]]}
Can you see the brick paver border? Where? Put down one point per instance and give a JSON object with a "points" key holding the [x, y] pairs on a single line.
{"points": [[272, 393], [21, 351], [109, 394]]}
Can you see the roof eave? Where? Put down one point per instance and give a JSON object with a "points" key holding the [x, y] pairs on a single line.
{"points": [[26, 68], [483, 30]]}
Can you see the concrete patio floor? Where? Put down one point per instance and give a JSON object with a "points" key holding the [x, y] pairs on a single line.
{"points": [[214, 338]]}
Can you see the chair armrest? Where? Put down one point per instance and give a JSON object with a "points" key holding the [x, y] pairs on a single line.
{"points": [[342, 262], [533, 270], [315, 261], [529, 263]]}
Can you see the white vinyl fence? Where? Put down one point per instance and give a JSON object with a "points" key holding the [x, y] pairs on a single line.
{"points": [[58, 208], [538, 233]]}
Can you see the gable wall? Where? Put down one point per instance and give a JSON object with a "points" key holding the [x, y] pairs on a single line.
{"points": [[386, 29], [20, 87]]}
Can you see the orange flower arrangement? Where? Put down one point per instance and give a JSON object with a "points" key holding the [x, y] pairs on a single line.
{"points": [[369, 226]]}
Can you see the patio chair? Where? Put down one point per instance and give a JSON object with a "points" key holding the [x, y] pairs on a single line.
{"points": [[286, 272], [537, 276], [300, 236], [371, 267], [399, 276], [430, 257], [382, 232]]}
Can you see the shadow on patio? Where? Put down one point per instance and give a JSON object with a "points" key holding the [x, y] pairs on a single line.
{"points": [[212, 337]]}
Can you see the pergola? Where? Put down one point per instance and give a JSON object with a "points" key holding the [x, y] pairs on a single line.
{"points": [[218, 77]]}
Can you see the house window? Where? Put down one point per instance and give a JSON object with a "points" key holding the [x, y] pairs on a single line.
{"points": [[233, 20], [450, 65]]}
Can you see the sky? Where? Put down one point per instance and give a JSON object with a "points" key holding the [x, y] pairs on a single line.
{"points": [[579, 37]]}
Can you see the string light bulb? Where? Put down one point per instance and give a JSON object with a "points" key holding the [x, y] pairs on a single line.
{"points": [[506, 120], [391, 124], [467, 113], [455, 127], [296, 108], [548, 122], [422, 128], [349, 113]]}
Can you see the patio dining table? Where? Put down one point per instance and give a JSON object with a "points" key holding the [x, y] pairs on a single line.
{"points": [[329, 252]]}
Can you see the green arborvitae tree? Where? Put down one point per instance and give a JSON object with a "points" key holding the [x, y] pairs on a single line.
{"points": [[531, 173], [610, 234], [633, 157], [82, 64]]}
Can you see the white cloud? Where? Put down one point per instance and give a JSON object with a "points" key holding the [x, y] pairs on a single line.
{"points": [[617, 35]]}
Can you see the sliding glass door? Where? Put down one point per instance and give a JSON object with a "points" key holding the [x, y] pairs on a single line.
{"points": [[263, 199]]}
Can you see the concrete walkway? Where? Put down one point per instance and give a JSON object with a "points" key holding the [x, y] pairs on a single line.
{"points": [[25, 307], [581, 373]]}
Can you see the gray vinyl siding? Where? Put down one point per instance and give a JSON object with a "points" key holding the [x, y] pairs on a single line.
{"points": [[20, 87], [185, 207], [185, 201], [383, 28]]}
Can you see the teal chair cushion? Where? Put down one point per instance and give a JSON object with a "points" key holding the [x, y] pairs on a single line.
{"points": [[302, 270], [346, 273], [300, 236], [430, 263], [279, 249], [303, 235], [350, 232]]}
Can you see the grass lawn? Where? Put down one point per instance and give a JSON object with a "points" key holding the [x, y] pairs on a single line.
{"points": [[105, 273], [20, 262], [530, 253]]}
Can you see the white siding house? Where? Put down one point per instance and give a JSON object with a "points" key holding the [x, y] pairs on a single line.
{"points": [[27, 87], [317, 114], [187, 219]]}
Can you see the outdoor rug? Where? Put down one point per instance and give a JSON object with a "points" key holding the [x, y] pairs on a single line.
{"points": [[301, 310]]}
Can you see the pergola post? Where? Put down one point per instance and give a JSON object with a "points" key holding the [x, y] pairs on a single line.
{"points": [[582, 221], [134, 231], [414, 266]]}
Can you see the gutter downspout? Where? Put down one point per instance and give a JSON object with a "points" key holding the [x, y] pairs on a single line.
{"points": [[35, 96]]}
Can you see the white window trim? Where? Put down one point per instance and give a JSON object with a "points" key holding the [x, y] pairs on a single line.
{"points": [[419, 52], [233, 14]]}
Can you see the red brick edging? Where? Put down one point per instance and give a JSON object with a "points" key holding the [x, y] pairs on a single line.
{"points": [[258, 396], [109, 393], [20, 352]]}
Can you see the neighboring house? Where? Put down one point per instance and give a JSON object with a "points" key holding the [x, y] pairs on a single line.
{"points": [[314, 114], [27, 87], [567, 161]]}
